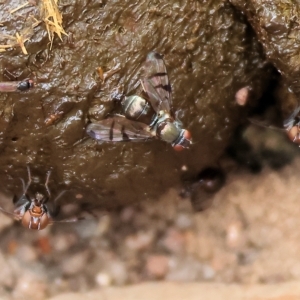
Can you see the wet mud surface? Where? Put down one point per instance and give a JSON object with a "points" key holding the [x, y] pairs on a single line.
{"points": [[215, 54], [210, 53]]}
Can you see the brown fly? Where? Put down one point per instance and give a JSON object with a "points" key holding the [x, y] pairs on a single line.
{"points": [[35, 212]]}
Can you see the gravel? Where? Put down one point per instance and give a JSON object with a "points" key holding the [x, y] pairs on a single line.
{"points": [[248, 235]]}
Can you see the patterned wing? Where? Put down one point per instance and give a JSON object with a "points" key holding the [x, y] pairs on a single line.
{"points": [[264, 124], [118, 129], [289, 122], [156, 83]]}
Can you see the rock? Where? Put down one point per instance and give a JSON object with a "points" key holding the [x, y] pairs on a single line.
{"points": [[209, 57]]}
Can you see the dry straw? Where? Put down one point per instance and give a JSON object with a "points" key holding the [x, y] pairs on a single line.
{"points": [[49, 14]]}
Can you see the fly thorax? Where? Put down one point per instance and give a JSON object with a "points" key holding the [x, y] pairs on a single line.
{"points": [[37, 211], [167, 131]]}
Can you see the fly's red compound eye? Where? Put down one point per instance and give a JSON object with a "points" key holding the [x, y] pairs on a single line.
{"points": [[187, 135], [178, 147], [30, 83], [294, 134], [184, 142]]}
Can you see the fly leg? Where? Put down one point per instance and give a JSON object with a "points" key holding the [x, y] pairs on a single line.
{"points": [[25, 188], [46, 183], [59, 195], [297, 137], [56, 208]]}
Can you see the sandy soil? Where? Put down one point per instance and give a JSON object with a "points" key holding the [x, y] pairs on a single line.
{"points": [[249, 235]]}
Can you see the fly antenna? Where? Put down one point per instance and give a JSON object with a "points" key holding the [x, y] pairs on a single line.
{"points": [[25, 188], [47, 181], [59, 195]]}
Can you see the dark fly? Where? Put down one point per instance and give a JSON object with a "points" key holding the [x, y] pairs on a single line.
{"points": [[15, 86]]}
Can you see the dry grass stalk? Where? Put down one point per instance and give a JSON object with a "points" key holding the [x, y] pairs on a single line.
{"points": [[105, 75], [52, 17], [20, 38], [19, 7], [17, 40], [50, 14], [21, 41]]}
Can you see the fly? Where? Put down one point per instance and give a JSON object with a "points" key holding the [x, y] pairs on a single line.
{"points": [[146, 118], [34, 212], [291, 125], [15, 86]]}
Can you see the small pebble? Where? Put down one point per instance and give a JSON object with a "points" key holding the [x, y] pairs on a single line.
{"points": [[27, 253], [183, 221], [127, 214], [173, 241], [185, 269], [43, 244], [75, 263], [86, 228], [7, 276], [139, 241], [242, 96], [103, 225], [103, 279], [157, 266], [234, 237], [64, 241], [118, 272], [208, 272]]}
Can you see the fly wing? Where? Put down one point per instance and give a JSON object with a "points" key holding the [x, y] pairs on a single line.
{"points": [[264, 124], [156, 83], [11, 215], [118, 129], [69, 220], [289, 122]]}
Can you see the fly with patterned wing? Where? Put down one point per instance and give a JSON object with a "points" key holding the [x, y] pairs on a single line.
{"points": [[155, 111], [291, 125]]}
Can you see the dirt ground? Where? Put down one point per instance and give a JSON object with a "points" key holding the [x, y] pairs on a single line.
{"points": [[248, 236]]}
